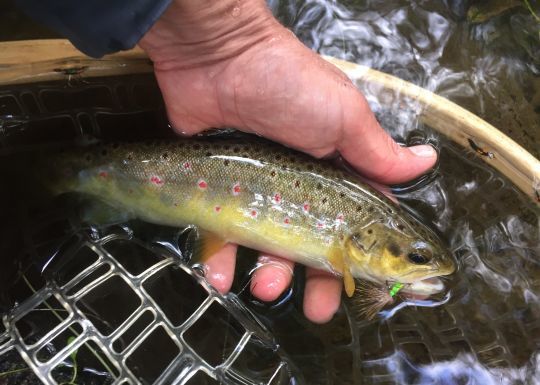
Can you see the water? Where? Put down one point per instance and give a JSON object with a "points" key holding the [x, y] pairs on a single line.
{"points": [[487, 331], [492, 69]]}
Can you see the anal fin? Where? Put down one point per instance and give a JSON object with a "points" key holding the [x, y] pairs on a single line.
{"points": [[101, 213]]}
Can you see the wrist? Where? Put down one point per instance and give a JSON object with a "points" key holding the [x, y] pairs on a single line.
{"points": [[197, 32]]}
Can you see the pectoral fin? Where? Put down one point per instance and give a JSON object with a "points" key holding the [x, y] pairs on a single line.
{"points": [[206, 245], [340, 265], [348, 282]]}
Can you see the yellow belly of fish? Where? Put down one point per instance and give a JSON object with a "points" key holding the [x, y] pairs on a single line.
{"points": [[232, 222]]}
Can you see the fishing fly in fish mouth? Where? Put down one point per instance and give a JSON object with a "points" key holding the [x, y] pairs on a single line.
{"points": [[261, 195]]}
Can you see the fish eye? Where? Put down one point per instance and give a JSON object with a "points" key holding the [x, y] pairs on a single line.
{"points": [[418, 259]]}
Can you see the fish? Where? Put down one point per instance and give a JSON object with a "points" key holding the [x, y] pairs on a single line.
{"points": [[262, 195]]}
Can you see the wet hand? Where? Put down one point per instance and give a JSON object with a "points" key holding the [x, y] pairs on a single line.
{"points": [[231, 64]]}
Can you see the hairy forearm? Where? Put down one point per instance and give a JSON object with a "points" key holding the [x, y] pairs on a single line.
{"points": [[195, 32]]}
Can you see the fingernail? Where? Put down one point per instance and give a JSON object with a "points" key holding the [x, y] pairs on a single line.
{"points": [[423, 151]]}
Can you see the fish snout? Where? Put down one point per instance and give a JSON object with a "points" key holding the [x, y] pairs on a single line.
{"points": [[446, 265]]}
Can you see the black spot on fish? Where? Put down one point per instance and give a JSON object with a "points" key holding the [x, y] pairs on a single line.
{"points": [[358, 208], [236, 150], [394, 249], [319, 186], [226, 162], [296, 183], [165, 156], [283, 167], [277, 157], [370, 231], [273, 173], [342, 195], [208, 153], [324, 200]]}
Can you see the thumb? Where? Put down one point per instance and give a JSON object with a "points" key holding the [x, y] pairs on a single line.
{"points": [[369, 149]]}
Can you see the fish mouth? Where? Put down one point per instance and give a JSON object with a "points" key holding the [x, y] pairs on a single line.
{"points": [[424, 287]]}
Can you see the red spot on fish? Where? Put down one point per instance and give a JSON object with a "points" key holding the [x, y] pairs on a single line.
{"points": [[236, 189], [276, 198], [254, 213], [103, 174], [187, 166], [340, 218], [320, 225], [202, 184], [217, 209], [157, 180], [306, 207], [287, 221]]}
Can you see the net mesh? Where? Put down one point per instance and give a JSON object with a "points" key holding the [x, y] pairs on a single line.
{"points": [[144, 316]]}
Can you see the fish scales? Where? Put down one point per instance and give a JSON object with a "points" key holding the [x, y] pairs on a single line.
{"points": [[251, 192]]}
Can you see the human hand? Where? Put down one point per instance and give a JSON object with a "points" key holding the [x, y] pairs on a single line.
{"points": [[229, 63]]}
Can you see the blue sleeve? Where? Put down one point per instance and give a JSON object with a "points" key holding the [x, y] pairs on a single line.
{"points": [[97, 27]]}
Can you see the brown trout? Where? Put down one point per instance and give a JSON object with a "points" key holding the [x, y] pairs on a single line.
{"points": [[264, 196]]}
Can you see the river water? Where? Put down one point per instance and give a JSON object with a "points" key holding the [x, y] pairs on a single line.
{"points": [[487, 331]]}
